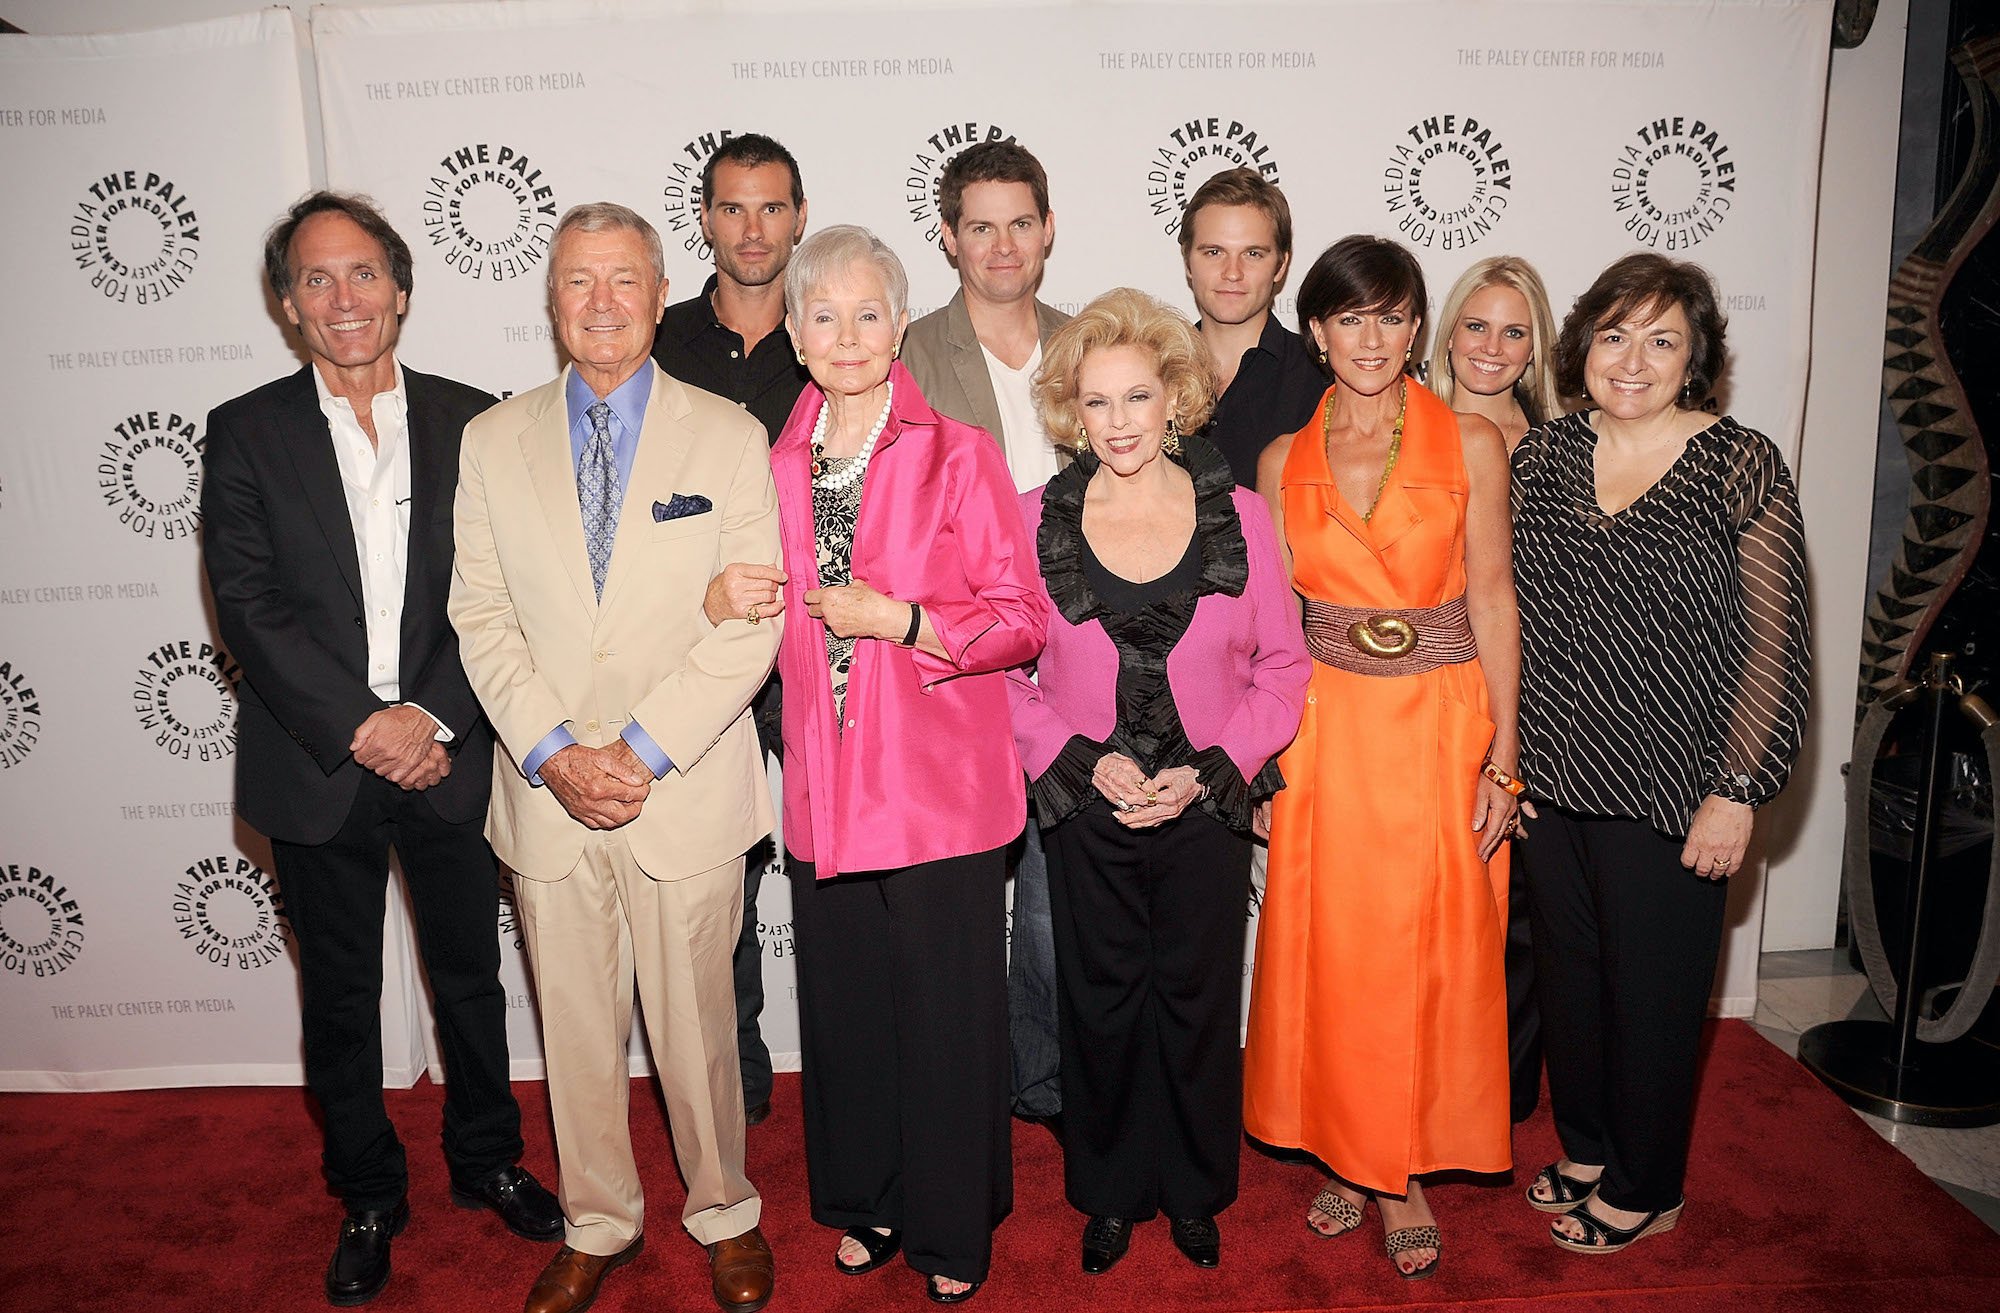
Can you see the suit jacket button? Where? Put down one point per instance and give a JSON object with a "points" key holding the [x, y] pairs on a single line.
{"points": [[590, 725], [598, 656]]}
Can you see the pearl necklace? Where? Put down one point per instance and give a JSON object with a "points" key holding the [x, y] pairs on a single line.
{"points": [[835, 482]]}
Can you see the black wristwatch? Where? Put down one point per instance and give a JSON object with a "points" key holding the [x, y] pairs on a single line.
{"points": [[916, 624]]}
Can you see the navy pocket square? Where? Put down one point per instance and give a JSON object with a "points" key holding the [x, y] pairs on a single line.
{"points": [[680, 506]]}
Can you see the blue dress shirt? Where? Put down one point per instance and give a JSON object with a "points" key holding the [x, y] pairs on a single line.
{"points": [[628, 419]]}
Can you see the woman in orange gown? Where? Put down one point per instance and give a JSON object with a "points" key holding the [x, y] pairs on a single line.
{"points": [[1378, 1014]]}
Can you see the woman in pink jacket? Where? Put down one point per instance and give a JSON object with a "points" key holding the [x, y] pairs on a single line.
{"points": [[1174, 674], [908, 586]]}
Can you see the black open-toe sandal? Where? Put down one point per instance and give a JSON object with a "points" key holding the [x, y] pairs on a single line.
{"points": [[881, 1248], [940, 1297], [1565, 1192], [1600, 1237]]}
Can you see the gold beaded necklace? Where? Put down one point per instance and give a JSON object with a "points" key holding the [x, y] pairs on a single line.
{"points": [[1395, 444]]}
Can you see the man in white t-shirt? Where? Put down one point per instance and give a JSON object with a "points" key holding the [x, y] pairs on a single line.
{"points": [[975, 359]]}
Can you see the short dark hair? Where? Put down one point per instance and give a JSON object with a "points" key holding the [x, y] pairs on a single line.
{"points": [[361, 209], [749, 151], [1368, 274], [1240, 187], [989, 161], [1647, 283]]}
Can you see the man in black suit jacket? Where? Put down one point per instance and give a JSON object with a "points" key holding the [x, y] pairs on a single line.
{"points": [[327, 509]]}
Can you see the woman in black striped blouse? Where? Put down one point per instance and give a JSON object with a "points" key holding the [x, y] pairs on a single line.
{"points": [[1660, 562]]}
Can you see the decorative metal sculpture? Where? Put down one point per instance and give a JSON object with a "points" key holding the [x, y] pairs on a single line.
{"points": [[1950, 473], [1933, 627]]}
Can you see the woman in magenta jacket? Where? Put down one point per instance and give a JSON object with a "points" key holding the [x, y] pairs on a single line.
{"points": [[908, 586], [1174, 674]]}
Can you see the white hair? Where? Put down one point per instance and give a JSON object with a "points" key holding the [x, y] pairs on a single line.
{"points": [[826, 257], [608, 216]]}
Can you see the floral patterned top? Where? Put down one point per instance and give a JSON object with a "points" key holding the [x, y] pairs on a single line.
{"points": [[835, 511]]}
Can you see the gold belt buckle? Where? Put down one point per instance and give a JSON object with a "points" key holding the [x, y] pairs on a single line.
{"points": [[1384, 636]]}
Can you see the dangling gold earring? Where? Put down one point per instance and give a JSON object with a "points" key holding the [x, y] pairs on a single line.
{"points": [[1082, 439], [1171, 442], [802, 356], [1322, 360]]}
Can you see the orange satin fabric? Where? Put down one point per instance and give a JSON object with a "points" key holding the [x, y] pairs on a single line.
{"points": [[1378, 1013]]}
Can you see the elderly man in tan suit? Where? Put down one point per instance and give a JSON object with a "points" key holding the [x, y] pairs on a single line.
{"points": [[591, 514]]}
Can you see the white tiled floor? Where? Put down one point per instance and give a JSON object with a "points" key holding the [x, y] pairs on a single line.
{"points": [[1800, 990]]}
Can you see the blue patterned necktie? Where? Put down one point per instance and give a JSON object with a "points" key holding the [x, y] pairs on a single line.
{"points": [[598, 494]]}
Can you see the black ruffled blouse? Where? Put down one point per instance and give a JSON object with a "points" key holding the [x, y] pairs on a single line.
{"points": [[1144, 622]]}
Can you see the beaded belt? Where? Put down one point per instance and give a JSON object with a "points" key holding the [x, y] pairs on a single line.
{"points": [[1364, 641]]}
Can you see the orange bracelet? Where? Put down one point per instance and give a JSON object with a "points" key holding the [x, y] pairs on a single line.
{"points": [[1512, 784]]}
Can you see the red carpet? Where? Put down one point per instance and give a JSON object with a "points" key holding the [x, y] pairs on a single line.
{"points": [[181, 1200]]}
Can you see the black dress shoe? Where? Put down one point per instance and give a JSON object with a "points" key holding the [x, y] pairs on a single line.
{"points": [[1105, 1240], [360, 1266], [1198, 1238], [529, 1211], [755, 1114]]}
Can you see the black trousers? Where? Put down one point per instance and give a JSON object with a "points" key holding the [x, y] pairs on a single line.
{"points": [[753, 1056], [1524, 1016], [1149, 973], [1626, 941], [903, 1031], [335, 896]]}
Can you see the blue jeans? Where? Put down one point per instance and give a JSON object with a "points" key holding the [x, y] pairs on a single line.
{"points": [[1031, 982]]}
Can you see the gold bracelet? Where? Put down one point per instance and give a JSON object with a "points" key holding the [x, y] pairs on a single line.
{"points": [[1512, 784]]}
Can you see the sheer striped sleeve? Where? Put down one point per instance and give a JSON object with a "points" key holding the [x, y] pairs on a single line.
{"points": [[1761, 717]]}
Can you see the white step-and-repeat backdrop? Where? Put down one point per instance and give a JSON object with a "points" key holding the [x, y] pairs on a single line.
{"points": [[141, 941]]}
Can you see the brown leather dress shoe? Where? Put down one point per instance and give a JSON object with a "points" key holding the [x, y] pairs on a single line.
{"points": [[742, 1272], [569, 1283]]}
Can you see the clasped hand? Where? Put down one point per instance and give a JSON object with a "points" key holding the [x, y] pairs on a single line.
{"points": [[857, 611], [602, 788], [1140, 802], [400, 744]]}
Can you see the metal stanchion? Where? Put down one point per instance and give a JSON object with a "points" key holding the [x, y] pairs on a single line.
{"points": [[1882, 1067]]}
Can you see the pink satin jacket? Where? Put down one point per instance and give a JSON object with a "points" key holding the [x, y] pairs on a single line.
{"points": [[925, 766]]}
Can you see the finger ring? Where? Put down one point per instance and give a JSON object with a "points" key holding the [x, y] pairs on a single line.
{"points": [[755, 614], [1151, 797]]}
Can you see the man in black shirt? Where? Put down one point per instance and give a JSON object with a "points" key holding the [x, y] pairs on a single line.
{"points": [[1236, 244], [731, 341]]}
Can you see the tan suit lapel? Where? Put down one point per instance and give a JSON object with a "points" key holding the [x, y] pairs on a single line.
{"points": [[968, 362], [552, 472], [665, 443]]}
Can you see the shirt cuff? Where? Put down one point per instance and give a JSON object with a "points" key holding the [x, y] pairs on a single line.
{"points": [[642, 745], [553, 742], [444, 734], [1065, 788]]}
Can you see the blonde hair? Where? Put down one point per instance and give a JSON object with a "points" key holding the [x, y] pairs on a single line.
{"points": [[1125, 317], [1536, 388]]}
